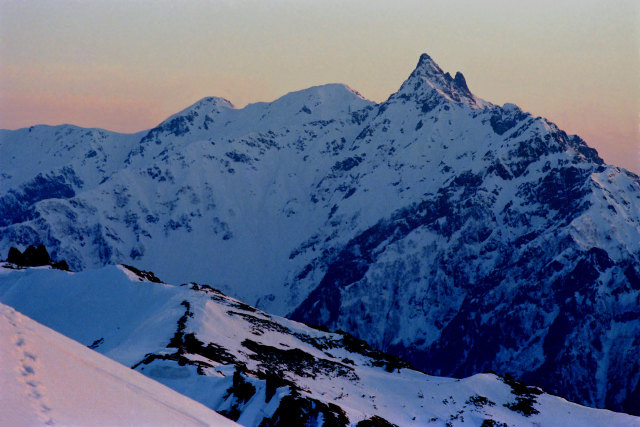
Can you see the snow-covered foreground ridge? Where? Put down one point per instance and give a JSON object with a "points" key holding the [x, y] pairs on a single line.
{"points": [[461, 235], [49, 379], [254, 367]]}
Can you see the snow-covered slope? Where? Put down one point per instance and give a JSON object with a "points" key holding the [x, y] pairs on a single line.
{"points": [[49, 379], [254, 367], [462, 235]]}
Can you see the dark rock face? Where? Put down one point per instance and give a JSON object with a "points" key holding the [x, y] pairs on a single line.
{"points": [[34, 257], [15, 256], [297, 411], [501, 122], [143, 275], [176, 127], [375, 421], [18, 205]]}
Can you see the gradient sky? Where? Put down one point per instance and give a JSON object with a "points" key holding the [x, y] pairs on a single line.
{"points": [[127, 65]]}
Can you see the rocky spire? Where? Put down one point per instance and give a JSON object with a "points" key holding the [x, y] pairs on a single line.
{"points": [[429, 72]]}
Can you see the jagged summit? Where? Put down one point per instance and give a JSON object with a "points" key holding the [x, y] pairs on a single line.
{"points": [[427, 67], [428, 76], [460, 82]]}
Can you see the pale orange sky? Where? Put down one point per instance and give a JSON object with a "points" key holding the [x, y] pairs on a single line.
{"points": [[127, 65]]}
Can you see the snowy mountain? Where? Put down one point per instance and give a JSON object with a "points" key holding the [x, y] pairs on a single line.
{"points": [[461, 235], [49, 379], [256, 368]]}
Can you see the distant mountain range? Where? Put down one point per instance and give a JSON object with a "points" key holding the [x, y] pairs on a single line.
{"points": [[460, 235]]}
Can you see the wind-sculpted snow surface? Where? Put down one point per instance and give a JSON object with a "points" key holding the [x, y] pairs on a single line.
{"points": [[253, 367], [462, 235]]}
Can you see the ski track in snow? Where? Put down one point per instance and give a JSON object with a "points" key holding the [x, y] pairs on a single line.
{"points": [[36, 392], [27, 369], [48, 379]]}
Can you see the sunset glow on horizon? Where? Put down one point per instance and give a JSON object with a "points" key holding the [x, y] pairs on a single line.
{"points": [[126, 66]]}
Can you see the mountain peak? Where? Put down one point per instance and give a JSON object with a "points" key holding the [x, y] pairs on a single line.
{"points": [[324, 92], [461, 82], [429, 72], [427, 67], [320, 102], [215, 102]]}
